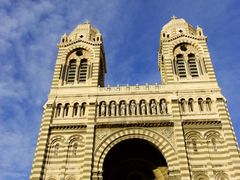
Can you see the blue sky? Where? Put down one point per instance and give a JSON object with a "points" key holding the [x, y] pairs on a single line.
{"points": [[30, 30]]}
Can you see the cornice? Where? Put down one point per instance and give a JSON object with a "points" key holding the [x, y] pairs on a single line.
{"points": [[202, 123], [183, 35], [134, 124], [77, 41], [68, 127]]}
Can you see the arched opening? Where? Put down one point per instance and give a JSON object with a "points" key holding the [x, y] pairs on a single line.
{"points": [[133, 159], [71, 71], [66, 109], [75, 109], [181, 66], [83, 70], [192, 65], [83, 109], [58, 110]]}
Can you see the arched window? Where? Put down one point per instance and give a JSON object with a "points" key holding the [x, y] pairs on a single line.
{"points": [[83, 70], [66, 109], [190, 105], [192, 65], [209, 104], [58, 110], [200, 104], [182, 105], [181, 66], [83, 109], [71, 71], [75, 109]]}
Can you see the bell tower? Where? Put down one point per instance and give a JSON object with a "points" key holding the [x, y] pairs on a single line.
{"points": [[81, 59], [183, 54], [79, 71], [178, 130]]}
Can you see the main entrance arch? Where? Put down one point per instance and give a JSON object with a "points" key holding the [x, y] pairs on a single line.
{"points": [[133, 159], [159, 141]]}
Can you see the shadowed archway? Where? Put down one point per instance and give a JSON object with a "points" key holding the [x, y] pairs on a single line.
{"points": [[132, 159]]}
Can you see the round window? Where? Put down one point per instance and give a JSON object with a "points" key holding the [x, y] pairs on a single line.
{"points": [[79, 53], [183, 47]]}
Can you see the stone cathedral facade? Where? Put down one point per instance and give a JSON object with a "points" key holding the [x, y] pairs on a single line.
{"points": [[178, 130]]}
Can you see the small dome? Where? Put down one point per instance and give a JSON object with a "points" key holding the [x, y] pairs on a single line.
{"points": [[85, 31], [177, 26], [174, 22]]}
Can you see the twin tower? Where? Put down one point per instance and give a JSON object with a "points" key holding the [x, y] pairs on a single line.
{"points": [[179, 130]]}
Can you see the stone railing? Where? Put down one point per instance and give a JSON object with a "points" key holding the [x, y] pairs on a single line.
{"points": [[127, 88]]}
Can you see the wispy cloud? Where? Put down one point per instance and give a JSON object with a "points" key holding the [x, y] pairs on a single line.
{"points": [[29, 33]]}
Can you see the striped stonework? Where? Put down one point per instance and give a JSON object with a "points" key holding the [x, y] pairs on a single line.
{"points": [[138, 133], [42, 143], [184, 120], [230, 140], [181, 149]]}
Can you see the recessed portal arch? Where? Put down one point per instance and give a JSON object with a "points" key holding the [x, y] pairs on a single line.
{"points": [[134, 159], [160, 142]]}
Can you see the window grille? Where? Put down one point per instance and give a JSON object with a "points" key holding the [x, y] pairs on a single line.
{"points": [[83, 70], [181, 66], [192, 65], [71, 71]]}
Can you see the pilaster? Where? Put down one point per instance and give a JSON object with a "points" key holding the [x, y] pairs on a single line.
{"points": [[42, 143], [230, 140], [183, 162], [89, 141]]}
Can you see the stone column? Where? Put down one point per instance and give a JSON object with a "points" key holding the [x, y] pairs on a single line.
{"points": [[127, 110], [183, 163], [89, 139], [70, 111], [62, 111], [148, 110], [97, 110], [79, 110], [158, 108], [138, 108], [55, 110], [77, 72], [107, 110], [117, 109]]}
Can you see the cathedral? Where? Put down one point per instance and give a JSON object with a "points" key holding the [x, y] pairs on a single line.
{"points": [[177, 130]]}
